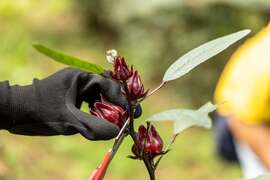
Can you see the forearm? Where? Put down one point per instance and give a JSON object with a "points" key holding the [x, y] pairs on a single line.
{"points": [[256, 136]]}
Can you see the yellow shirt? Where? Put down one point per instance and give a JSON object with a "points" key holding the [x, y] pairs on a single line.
{"points": [[244, 85]]}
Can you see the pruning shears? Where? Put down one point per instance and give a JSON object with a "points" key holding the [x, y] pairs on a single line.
{"points": [[100, 172]]}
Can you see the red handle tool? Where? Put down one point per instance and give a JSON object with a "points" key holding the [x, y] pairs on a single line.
{"points": [[100, 172]]}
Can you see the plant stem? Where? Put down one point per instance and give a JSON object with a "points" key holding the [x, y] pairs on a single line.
{"points": [[156, 89], [132, 133], [131, 110], [150, 169], [147, 163]]}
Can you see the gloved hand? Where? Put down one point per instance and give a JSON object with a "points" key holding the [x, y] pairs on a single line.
{"points": [[51, 106]]}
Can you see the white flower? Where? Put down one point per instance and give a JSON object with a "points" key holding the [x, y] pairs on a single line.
{"points": [[111, 55]]}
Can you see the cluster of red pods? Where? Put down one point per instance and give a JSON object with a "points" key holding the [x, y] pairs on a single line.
{"points": [[148, 139], [149, 142]]}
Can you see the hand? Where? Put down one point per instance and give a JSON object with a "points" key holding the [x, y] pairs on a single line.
{"points": [[52, 106]]}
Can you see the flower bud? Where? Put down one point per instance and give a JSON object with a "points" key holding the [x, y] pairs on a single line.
{"points": [[149, 142], [110, 112], [135, 86], [156, 141], [121, 70]]}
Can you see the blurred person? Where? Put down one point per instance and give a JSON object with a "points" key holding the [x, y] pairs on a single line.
{"points": [[243, 122], [52, 106]]}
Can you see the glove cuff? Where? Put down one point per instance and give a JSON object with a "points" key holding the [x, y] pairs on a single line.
{"points": [[16, 103], [5, 120]]}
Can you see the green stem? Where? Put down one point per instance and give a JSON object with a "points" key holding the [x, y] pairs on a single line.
{"points": [[156, 89]]}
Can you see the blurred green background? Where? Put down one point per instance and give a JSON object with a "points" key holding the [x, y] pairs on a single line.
{"points": [[151, 35]]}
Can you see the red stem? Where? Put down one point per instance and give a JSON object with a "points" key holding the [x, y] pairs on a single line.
{"points": [[132, 133]]}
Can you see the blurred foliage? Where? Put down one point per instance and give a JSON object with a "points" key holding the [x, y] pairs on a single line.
{"points": [[151, 35], [158, 32]]}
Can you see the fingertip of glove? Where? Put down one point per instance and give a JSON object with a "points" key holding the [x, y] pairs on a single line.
{"points": [[138, 111], [100, 129], [110, 131], [106, 135]]}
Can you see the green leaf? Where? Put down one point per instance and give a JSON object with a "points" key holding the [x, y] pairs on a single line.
{"points": [[185, 118], [261, 177], [69, 60], [200, 54]]}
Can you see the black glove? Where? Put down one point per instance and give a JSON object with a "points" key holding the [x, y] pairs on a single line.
{"points": [[51, 106]]}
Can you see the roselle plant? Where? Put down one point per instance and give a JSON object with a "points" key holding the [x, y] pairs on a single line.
{"points": [[148, 144]]}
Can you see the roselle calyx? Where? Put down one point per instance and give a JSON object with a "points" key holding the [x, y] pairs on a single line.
{"points": [[121, 69], [110, 112], [135, 86], [149, 142]]}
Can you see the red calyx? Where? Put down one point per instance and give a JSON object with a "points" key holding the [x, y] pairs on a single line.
{"points": [[149, 142], [135, 86], [121, 70], [110, 112]]}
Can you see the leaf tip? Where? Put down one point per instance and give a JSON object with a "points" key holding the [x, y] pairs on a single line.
{"points": [[37, 46], [245, 32]]}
